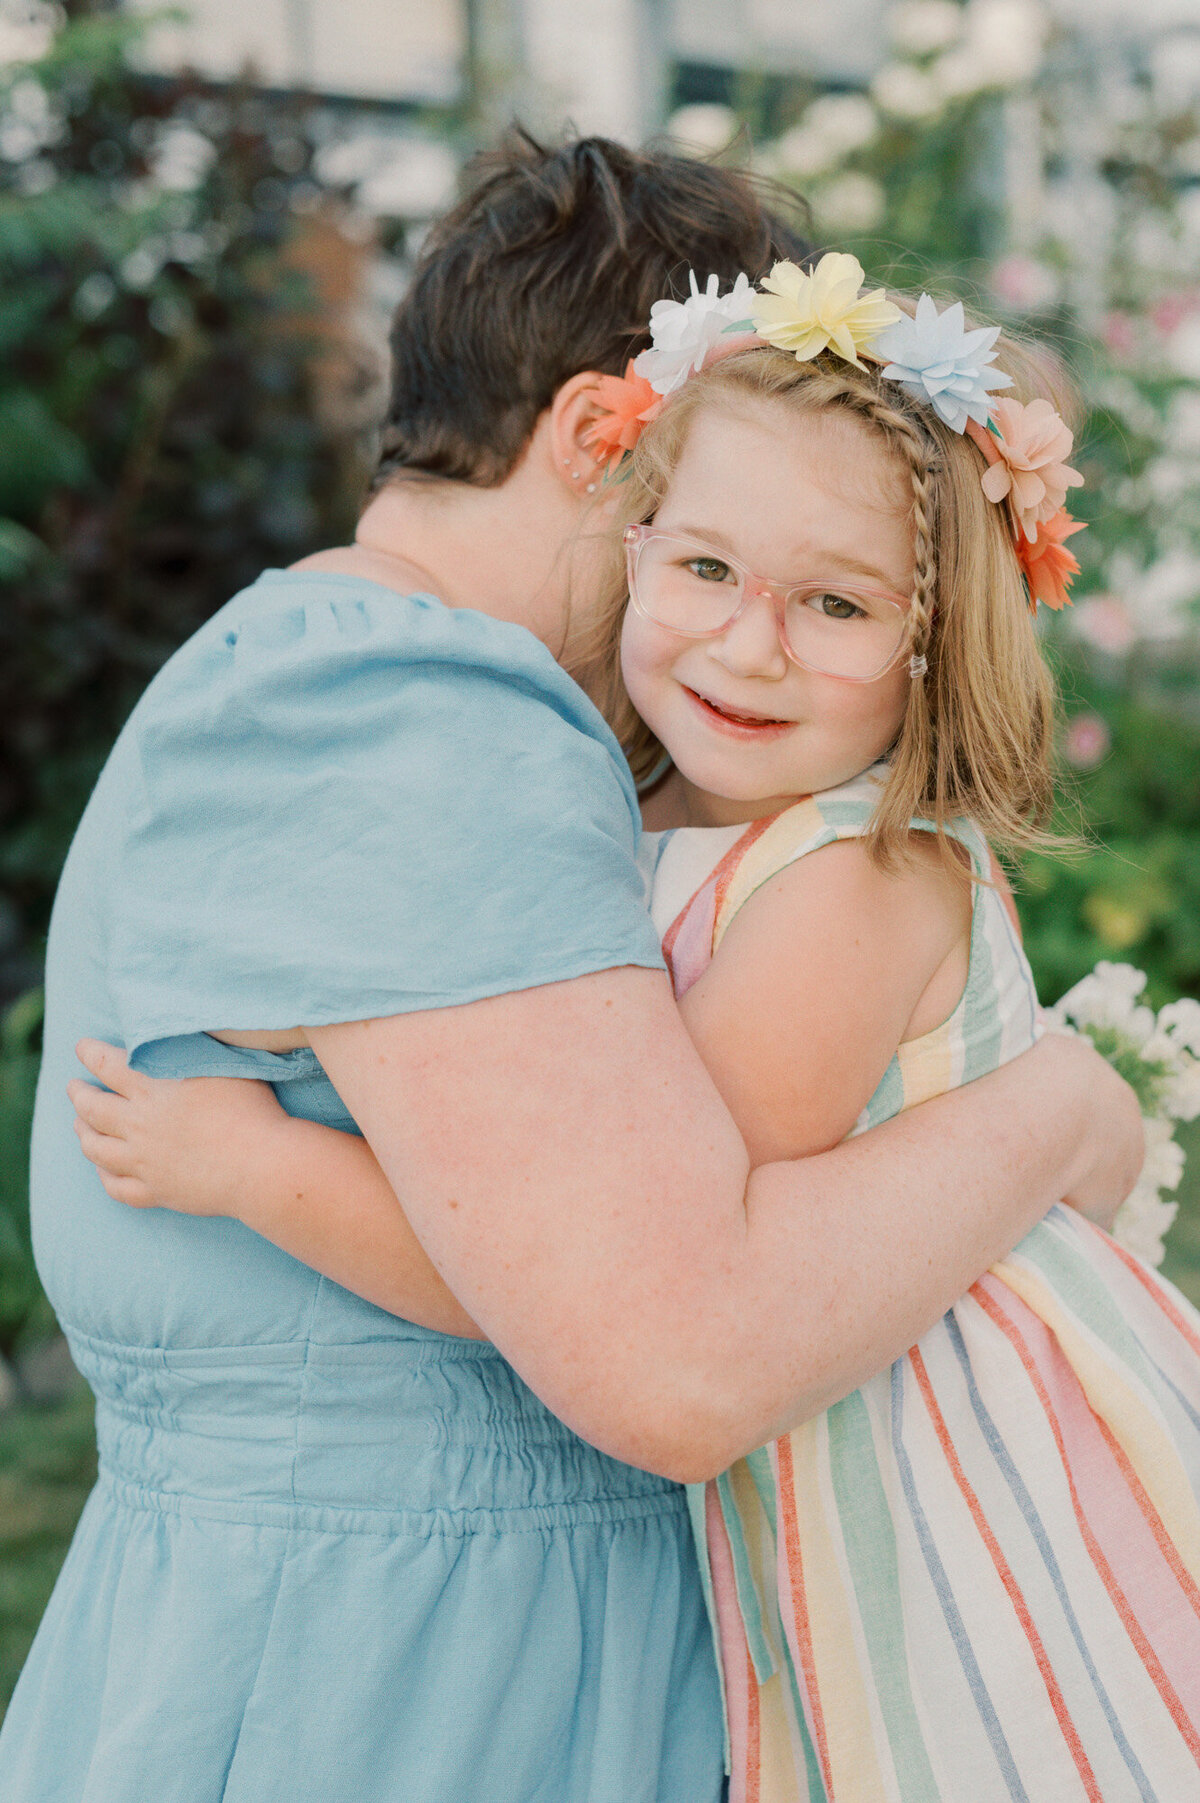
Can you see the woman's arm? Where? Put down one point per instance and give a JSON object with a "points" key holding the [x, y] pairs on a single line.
{"points": [[567, 1163], [224, 1146], [564, 1161]]}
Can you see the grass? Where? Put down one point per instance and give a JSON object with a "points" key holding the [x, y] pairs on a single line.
{"points": [[47, 1467]]}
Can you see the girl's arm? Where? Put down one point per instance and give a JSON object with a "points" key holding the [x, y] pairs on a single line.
{"points": [[820, 976], [224, 1146]]}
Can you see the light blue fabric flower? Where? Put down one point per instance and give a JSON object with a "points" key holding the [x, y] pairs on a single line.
{"points": [[934, 357]]}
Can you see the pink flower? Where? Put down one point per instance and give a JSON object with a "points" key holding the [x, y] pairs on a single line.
{"points": [[1105, 622], [1087, 742], [1030, 472], [628, 403], [1170, 311], [1024, 282], [1119, 334], [1046, 563]]}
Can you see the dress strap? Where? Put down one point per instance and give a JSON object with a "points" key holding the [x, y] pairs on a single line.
{"points": [[818, 820]]}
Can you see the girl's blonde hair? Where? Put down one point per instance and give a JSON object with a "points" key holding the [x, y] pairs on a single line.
{"points": [[977, 732]]}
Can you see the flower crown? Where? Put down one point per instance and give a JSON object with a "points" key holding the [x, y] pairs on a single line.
{"points": [[931, 355]]}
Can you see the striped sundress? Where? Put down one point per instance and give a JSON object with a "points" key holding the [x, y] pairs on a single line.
{"points": [[975, 1580]]}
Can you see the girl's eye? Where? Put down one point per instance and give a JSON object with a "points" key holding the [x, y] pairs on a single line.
{"points": [[709, 569], [836, 607]]}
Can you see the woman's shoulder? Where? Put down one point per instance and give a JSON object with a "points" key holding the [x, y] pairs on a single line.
{"points": [[325, 660], [334, 621]]}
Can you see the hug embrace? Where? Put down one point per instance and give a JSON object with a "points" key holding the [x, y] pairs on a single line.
{"points": [[589, 1302]]}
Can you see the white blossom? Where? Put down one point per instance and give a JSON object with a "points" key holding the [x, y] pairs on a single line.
{"points": [[706, 126], [1001, 47], [1164, 1155], [1182, 1021], [922, 26], [182, 158], [852, 202], [683, 332], [906, 92], [1142, 1223], [1183, 1093], [833, 128], [1108, 998]]}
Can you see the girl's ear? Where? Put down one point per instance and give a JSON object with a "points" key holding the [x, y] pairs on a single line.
{"points": [[573, 411]]}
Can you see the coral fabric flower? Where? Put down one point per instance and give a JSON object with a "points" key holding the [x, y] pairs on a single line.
{"points": [[806, 314], [684, 332], [1047, 564], [935, 358], [1030, 471], [628, 404]]}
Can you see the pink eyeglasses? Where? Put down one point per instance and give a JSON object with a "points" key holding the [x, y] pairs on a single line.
{"points": [[833, 628]]}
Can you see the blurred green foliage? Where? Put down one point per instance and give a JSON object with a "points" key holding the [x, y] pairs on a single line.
{"points": [[24, 1312], [1133, 893], [161, 440]]}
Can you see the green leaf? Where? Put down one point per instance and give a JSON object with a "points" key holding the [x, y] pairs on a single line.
{"points": [[37, 453], [19, 550]]}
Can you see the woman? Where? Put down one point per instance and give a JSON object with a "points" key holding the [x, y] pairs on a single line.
{"points": [[331, 1555]]}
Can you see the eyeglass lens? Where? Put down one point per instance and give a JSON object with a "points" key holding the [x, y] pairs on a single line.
{"points": [[837, 630]]}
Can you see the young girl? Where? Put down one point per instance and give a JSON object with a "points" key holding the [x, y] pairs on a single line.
{"points": [[977, 1577]]}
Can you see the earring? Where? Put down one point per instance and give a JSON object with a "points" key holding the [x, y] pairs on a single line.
{"points": [[591, 488]]}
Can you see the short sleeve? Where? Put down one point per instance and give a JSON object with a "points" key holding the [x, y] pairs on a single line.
{"points": [[340, 803]]}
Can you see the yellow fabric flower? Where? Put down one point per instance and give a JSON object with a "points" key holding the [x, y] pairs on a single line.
{"points": [[806, 314]]}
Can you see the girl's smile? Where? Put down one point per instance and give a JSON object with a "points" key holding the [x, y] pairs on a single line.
{"points": [[741, 722], [822, 497]]}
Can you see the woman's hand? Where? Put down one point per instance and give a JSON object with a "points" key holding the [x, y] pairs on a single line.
{"points": [[192, 1145]]}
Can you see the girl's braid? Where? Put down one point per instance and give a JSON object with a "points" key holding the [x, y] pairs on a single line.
{"points": [[916, 450]]}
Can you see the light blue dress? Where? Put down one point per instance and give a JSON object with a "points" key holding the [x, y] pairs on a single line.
{"points": [[333, 1557]]}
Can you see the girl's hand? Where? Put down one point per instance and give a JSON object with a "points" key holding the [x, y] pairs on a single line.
{"points": [[192, 1145]]}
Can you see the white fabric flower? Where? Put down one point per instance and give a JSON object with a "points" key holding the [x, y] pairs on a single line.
{"points": [[683, 332]]}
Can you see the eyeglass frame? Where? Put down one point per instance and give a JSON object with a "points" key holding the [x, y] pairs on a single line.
{"points": [[780, 593]]}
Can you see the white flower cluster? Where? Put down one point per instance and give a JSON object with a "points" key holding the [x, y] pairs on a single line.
{"points": [[1108, 1007]]}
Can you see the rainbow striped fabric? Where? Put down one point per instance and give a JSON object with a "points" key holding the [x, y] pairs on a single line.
{"points": [[977, 1579]]}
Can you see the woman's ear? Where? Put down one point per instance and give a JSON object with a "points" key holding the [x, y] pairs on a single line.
{"points": [[573, 412]]}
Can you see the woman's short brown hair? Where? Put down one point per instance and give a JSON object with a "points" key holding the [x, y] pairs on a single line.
{"points": [[548, 266]]}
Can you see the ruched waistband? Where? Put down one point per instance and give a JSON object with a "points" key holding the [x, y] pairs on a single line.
{"points": [[391, 1436]]}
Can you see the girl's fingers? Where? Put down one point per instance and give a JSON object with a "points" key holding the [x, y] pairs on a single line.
{"points": [[110, 1156], [97, 1107], [129, 1191], [109, 1063]]}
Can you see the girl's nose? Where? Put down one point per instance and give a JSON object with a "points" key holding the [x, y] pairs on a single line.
{"points": [[751, 646]]}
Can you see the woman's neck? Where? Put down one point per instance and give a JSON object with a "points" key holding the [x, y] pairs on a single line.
{"points": [[507, 551]]}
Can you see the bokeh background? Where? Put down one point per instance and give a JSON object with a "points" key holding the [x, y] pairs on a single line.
{"points": [[205, 220]]}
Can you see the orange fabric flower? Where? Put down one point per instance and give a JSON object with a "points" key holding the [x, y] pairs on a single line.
{"points": [[1046, 563], [1030, 470], [628, 403]]}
